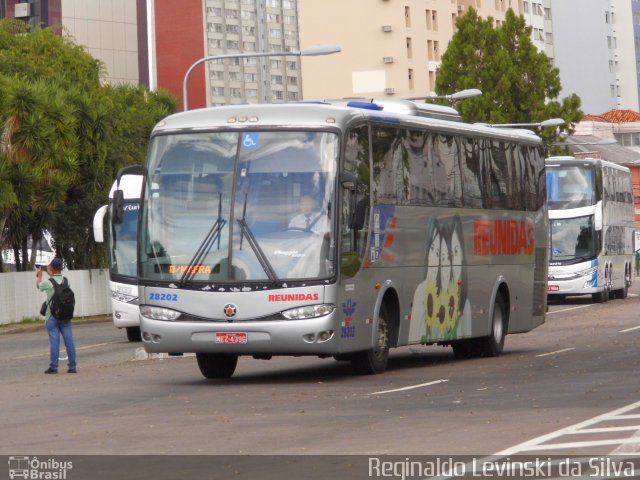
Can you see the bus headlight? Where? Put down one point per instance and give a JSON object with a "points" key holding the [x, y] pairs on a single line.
{"points": [[588, 271], [310, 311], [123, 297], [159, 313]]}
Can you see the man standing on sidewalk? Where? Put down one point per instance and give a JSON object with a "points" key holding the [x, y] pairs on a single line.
{"points": [[56, 327]]}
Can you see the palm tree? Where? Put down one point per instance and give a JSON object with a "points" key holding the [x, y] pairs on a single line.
{"points": [[39, 148]]}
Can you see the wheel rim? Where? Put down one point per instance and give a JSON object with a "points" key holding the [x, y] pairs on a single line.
{"points": [[382, 340], [498, 327]]}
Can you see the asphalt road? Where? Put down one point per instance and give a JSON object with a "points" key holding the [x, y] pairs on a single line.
{"points": [[568, 387]]}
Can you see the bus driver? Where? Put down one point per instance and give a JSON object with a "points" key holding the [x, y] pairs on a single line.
{"points": [[310, 218]]}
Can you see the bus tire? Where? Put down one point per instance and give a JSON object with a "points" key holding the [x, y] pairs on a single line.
{"points": [[217, 365], [375, 359], [492, 345], [133, 334], [624, 291], [603, 296]]}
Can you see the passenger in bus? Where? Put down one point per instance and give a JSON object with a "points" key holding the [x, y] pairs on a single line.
{"points": [[311, 218]]}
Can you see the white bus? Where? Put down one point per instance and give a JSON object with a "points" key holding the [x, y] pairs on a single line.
{"points": [[435, 232], [122, 252], [591, 221]]}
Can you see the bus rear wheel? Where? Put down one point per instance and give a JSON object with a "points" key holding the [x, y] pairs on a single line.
{"points": [[492, 345], [216, 365], [375, 360]]}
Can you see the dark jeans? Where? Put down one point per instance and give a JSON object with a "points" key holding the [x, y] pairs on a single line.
{"points": [[56, 328]]}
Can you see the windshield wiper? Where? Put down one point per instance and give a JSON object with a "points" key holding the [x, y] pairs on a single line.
{"points": [[253, 243], [212, 236]]}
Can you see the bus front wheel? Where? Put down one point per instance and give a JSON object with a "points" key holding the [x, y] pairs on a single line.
{"points": [[375, 360], [215, 365]]}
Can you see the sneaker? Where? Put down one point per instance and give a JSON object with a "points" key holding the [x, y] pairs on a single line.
{"points": [[72, 370], [51, 370]]}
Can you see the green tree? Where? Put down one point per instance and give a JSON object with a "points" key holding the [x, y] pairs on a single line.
{"points": [[519, 84], [63, 137], [114, 133]]}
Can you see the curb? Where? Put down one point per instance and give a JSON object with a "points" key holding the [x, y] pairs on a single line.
{"points": [[41, 326]]}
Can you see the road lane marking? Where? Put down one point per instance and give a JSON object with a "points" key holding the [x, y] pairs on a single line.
{"points": [[629, 329], [538, 443], [85, 347], [557, 351], [629, 448], [411, 387], [567, 309]]}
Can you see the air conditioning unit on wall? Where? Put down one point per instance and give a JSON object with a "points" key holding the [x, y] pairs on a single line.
{"points": [[386, 28], [389, 90], [22, 10], [387, 59]]}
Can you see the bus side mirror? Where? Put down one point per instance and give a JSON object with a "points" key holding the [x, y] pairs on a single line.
{"points": [[597, 220], [98, 220], [117, 207], [349, 181]]}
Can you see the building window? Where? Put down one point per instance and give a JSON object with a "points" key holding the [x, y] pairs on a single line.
{"points": [[407, 16], [228, 13]]}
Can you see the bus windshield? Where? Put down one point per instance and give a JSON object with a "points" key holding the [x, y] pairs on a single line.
{"points": [[124, 240], [573, 239], [570, 186], [237, 207]]}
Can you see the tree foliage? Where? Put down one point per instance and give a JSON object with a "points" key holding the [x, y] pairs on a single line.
{"points": [[63, 137], [519, 84]]}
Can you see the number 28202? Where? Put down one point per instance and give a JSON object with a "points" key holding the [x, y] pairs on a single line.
{"points": [[169, 297]]}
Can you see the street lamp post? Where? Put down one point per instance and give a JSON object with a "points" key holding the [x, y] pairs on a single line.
{"points": [[305, 52], [452, 97], [552, 122]]}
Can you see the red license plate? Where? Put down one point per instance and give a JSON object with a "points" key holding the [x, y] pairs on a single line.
{"points": [[552, 288], [233, 338]]}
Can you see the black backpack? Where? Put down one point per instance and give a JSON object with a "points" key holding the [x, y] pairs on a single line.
{"points": [[63, 300]]}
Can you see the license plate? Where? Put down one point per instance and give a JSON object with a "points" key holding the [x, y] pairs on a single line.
{"points": [[552, 288], [233, 338]]}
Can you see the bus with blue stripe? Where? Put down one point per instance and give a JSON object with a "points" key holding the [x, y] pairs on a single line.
{"points": [[591, 221], [434, 232]]}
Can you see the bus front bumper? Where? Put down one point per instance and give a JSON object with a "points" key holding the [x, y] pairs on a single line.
{"points": [[314, 336], [585, 285], [125, 314]]}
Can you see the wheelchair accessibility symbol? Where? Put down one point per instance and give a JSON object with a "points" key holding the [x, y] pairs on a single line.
{"points": [[250, 140]]}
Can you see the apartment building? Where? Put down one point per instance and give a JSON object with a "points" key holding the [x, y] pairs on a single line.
{"points": [[389, 49], [597, 45], [111, 30]]}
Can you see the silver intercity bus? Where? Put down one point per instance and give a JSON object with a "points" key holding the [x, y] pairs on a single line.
{"points": [[122, 252], [339, 230], [591, 217]]}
